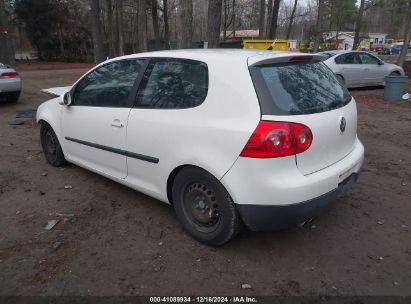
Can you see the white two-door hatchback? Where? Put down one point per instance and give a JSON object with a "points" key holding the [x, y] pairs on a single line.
{"points": [[228, 137]]}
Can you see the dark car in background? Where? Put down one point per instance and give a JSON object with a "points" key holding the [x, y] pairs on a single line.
{"points": [[381, 49]]}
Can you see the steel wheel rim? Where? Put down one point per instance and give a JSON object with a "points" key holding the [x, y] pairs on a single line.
{"points": [[50, 143], [201, 207]]}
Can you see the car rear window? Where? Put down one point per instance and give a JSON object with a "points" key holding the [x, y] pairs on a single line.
{"points": [[298, 88]]}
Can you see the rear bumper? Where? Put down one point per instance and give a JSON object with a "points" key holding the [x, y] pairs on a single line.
{"points": [[4, 96], [10, 85], [273, 193], [276, 217]]}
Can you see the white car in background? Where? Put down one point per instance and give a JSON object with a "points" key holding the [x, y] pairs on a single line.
{"points": [[359, 69], [10, 84], [265, 139]]}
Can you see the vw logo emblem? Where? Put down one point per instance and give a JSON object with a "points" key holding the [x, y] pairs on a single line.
{"points": [[343, 124]]}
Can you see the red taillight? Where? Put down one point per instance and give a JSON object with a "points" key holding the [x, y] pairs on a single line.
{"points": [[302, 137], [277, 139], [9, 75]]}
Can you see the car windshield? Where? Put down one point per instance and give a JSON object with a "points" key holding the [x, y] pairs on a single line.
{"points": [[300, 88], [2, 66]]}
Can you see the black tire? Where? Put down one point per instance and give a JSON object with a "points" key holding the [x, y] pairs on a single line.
{"points": [[204, 207], [14, 97], [395, 73], [51, 146]]}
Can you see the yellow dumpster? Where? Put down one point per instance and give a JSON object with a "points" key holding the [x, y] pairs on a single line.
{"points": [[275, 45]]}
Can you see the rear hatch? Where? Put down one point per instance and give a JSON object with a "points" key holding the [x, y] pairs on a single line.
{"points": [[304, 90]]}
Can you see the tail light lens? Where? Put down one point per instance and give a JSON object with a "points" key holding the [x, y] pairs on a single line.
{"points": [[277, 139], [9, 75]]}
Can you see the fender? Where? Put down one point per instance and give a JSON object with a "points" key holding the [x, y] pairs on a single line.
{"points": [[50, 112]]}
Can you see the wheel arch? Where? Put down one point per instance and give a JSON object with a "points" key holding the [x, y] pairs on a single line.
{"points": [[395, 71], [56, 130], [173, 174], [50, 113]]}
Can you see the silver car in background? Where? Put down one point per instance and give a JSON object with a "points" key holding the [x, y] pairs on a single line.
{"points": [[360, 69], [10, 84]]}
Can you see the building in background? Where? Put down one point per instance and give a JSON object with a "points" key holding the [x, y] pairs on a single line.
{"points": [[346, 39]]}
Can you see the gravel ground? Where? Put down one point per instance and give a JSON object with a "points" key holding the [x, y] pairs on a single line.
{"points": [[111, 240]]}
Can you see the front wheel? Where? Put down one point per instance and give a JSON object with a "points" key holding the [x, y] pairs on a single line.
{"points": [[395, 73], [204, 207], [51, 146]]}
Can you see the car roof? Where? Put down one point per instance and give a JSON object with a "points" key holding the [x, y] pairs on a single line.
{"points": [[209, 55], [334, 52], [6, 67]]}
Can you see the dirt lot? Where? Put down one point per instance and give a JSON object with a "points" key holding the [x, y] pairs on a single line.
{"points": [[121, 242]]}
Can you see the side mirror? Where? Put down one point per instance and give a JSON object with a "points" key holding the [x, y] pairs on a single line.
{"points": [[65, 99], [380, 62]]}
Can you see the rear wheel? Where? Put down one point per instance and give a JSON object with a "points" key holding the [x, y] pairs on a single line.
{"points": [[14, 97], [204, 207], [51, 146], [395, 73]]}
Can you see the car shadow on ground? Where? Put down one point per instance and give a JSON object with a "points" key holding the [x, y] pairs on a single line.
{"points": [[373, 88]]}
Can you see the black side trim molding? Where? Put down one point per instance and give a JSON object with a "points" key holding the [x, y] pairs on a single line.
{"points": [[149, 159]]}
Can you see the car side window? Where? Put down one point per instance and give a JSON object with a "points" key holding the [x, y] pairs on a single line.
{"points": [[109, 85], [368, 59], [171, 83], [348, 58]]}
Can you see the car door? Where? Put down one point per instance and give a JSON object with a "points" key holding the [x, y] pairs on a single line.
{"points": [[350, 68], [374, 71], [94, 125], [165, 116]]}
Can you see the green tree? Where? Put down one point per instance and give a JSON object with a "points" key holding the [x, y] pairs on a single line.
{"points": [[40, 21], [56, 28], [341, 13], [6, 46]]}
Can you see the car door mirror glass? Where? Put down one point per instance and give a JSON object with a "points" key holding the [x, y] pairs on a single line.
{"points": [[66, 100]]}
